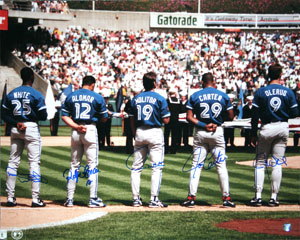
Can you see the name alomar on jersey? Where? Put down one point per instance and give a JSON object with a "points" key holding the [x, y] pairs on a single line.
{"points": [[146, 99], [276, 92], [210, 96], [80, 98]]}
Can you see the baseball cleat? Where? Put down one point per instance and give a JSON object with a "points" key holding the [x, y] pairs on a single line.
{"points": [[69, 202], [38, 203], [227, 202], [273, 203], [11, 202], [255, 202], [156, 203], [96, 203], [137, 202], [190, 202]]}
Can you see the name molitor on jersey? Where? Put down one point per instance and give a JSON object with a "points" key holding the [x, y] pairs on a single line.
{"points": [[146, 99], [210, 96], [79, 98], [276, 92]]}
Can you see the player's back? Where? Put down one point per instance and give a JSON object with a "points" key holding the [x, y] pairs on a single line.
{"points": [[84, 105], [149, 108], [209, 105], [24, 103], [274, 102]]}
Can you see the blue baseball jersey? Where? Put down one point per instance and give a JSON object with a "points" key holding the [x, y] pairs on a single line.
{"points": [[25, 104], [275, 103], [84, 106], [149, 108], [209, 105]]}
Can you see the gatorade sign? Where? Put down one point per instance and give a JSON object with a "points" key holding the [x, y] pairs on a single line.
{"points": [[4, 20], [175, 20]]}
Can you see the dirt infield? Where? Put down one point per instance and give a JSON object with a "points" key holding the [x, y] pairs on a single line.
{"points": [[54, 214], [268, 226]]}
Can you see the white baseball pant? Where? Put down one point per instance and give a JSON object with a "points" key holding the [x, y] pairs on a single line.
{"points": [[31, 140], [80, 143], [148, 140], [272, 140], [205, 142]]}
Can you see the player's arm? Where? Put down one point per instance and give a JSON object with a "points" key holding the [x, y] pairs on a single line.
{"points": [[132, 124], [69, 121], [230, 114], [166, 120], [254, 125], [6, 116], [208, 127]]}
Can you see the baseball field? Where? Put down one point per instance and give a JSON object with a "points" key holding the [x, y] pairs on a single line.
{"points": [[121, 221]]}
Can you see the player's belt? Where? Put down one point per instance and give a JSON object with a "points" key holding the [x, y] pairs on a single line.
{"points": [[274, 122], [84, 123], [148, 127]]}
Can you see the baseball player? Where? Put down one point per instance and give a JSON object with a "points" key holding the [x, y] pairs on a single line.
{"points": [[149, 109], [274, 105], [81, 111], [210, 106], [23, 108]]}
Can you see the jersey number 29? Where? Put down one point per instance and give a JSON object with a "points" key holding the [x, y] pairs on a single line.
{"points": [[216, 109]]}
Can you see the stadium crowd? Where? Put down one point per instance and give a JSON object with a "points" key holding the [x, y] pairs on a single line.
{"points": [[120, 58], [42, 6]]}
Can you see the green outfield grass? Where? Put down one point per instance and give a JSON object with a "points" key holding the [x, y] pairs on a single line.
{"points": [[114, 188], [114, 179]]}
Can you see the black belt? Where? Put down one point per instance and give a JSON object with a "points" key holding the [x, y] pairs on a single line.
{"points": [[84, 123], [274, 122]]}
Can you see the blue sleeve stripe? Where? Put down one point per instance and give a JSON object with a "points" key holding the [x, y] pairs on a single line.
{"points": [[64, 110], [189, 107], [230, 108], [255, 105], [41, 108], [167, 115]]}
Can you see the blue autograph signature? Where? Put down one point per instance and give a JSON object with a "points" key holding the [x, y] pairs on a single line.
{"points": [[220, 158], [87, 172], [273, 162], [144, 166], [34, 177]]}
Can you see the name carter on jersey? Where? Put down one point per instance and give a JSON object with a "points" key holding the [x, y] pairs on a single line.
{"points": [[147, 99], [80, 98], [210, 96], [276, 92]]}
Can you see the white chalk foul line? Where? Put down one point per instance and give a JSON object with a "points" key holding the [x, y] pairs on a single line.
{"points": [[83, 218]]}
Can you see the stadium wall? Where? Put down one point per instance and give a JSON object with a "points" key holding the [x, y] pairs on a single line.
{"points": [[109, 20], [121, 20]]}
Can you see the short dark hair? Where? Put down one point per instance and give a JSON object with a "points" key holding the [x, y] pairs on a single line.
{"points": [[207, 78], [274, 71], [27, 74], [88, 80], [149, 80]]}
